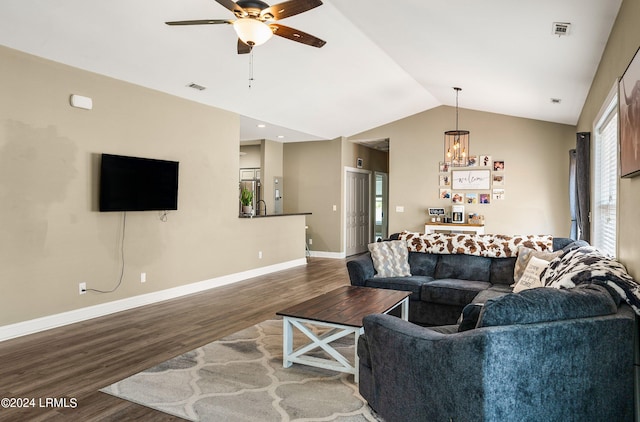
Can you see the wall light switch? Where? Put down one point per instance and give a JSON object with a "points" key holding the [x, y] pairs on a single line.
{"points": [[399, 208], [143, 277], [335, 208]]}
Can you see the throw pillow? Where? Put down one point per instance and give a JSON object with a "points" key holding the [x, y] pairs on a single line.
{"points": [[525, 254], [531, 277], [390, 259]]}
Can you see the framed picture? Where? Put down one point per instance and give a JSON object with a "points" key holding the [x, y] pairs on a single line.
{"points": [[498, 165], [485, 161], [629, 111], [445, 193], [485, 198], [471, 198], [457, 198], [445, 180], [471, 179], [498, 179]]}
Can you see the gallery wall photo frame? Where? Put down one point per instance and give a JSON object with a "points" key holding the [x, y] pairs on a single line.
{"points": [[629, 112], [471, 179]]}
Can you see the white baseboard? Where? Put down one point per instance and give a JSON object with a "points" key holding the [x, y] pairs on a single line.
{"points": [[65, 318], [322, 254]]}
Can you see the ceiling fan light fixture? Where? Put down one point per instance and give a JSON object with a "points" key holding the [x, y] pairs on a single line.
{"points": [[252, 32]]}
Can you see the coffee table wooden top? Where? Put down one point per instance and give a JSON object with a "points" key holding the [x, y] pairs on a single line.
{"points": [[346, 305]]}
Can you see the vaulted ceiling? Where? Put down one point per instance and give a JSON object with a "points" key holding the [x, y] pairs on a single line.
{"points": [[384, 59]]}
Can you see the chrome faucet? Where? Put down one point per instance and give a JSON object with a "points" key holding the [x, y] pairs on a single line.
{"points": [[258, 207]]}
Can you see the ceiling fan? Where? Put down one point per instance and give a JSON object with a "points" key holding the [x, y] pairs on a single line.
{"points": [[254, 24]]}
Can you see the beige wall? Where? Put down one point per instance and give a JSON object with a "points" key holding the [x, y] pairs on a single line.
{"points": [[53, 237], [312, 175], [622, 45], [536, 169], [271, 167], [314, 182]]}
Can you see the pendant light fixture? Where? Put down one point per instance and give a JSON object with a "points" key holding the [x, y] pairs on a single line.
{"points": [[456, 143]]}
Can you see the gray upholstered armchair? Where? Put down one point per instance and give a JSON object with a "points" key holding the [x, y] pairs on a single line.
{"points": [[540, 355]]}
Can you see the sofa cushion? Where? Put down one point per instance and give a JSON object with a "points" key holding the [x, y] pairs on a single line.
{"points": [[471, 313], [411, 284], [423, 263], [465, 267], [390, 259], [449, 291], [502, 270], [544, 305]]}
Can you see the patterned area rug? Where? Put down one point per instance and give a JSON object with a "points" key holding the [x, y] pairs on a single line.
{"points": [[241, 378]]}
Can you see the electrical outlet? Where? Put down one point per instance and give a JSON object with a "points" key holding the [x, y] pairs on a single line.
{"points": [[143, 277], [82, 288], [259, 254], [310, 241]]}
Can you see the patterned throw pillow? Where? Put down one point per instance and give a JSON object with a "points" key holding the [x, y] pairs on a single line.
{"points": [[524, 256], [531, 277], [390, 259]]}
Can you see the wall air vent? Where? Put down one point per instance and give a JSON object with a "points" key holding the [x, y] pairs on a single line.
{"points": [[561, 28], [196, 86]]}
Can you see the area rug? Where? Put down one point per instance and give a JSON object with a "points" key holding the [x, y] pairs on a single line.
{"points": [[241, 378]]}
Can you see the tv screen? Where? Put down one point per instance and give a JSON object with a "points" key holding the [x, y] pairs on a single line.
{"points": [[138, 184]]}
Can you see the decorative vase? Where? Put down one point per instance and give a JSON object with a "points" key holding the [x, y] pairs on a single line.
{"points": [[247, 209]]}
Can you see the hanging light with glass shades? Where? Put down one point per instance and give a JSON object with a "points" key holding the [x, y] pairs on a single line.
{"points": [[456, 143]]}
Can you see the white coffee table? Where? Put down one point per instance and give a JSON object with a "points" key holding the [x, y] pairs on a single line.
{"points": [[341, 311]]}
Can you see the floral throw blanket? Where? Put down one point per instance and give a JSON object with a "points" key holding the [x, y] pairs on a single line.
{"points": [[487, 245], [588, 265]]}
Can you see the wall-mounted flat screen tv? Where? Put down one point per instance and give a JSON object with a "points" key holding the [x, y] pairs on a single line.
{"points": [[138, 184]]}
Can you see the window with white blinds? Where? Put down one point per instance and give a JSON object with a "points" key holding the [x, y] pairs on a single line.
{"points": [[606, 179]]}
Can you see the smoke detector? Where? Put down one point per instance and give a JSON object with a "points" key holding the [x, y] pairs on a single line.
{"points": [[196, 86], [561, 28]]}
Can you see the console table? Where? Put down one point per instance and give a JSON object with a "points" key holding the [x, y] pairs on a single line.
{"points": [[454, 227]]}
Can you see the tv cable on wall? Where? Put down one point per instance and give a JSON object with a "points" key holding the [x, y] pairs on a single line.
{"points": [[124, 225]]}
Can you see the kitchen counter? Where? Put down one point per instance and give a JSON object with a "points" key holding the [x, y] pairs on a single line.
{"points": [[273, 215]]}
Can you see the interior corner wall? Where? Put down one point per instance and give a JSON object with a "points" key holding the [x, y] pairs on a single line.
{"points": [[536, 156], [53, 237], [623, 43], [313, 177], [271, 167]]}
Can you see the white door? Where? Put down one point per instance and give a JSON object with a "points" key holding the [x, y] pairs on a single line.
{"points": [[357, 205]]}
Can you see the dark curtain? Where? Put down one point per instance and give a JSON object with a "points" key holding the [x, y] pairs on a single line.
{"points": [[573, 200], [583, 185]]}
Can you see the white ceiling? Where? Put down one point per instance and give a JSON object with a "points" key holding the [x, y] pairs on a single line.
{"points": [[384, 59]]}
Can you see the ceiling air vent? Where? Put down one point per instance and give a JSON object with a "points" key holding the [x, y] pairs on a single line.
{"points": [[561, 28], [196, 86]]}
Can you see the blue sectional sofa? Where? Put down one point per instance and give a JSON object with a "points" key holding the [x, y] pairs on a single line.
{"points": [[441, 285], [540, 355]]}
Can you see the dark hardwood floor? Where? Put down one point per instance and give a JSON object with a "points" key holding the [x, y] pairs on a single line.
{"points": [[75, 361]]}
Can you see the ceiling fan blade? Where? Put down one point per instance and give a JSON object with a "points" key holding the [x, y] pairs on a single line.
{"points": [[243, 48], [288, 8], [234, 7], [296, 35], [200, 22]]}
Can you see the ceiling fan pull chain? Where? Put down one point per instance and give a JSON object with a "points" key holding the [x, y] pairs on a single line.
{"points": [[250, 68]]}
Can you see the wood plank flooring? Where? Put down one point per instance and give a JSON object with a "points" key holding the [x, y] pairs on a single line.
{"points": [[77, 360]]}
